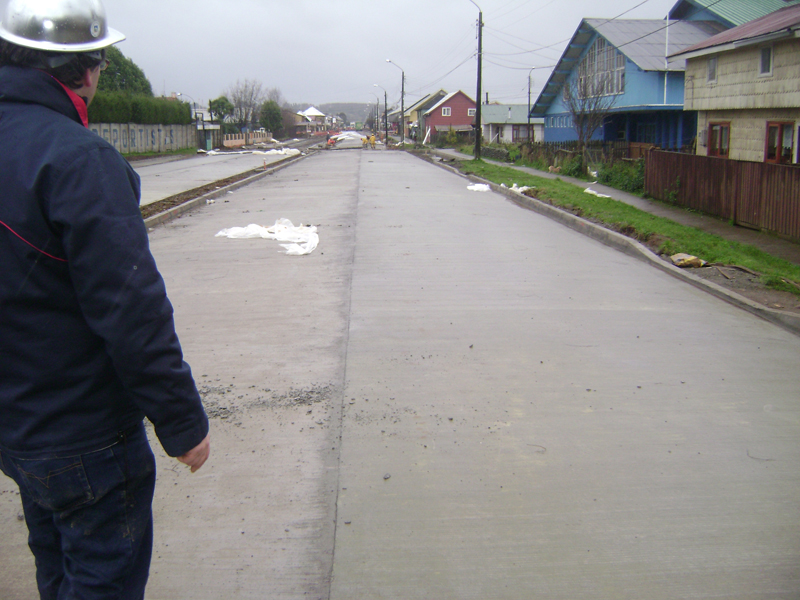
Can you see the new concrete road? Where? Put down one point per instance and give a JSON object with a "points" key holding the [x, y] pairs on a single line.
{"points": [[163, 178], [456, 398]]}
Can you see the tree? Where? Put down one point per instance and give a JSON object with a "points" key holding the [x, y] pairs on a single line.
{"points": [[246, 98], [275, 95], [123, 75], [221, 109], [589, 98], [271, 118], [289, 122]]}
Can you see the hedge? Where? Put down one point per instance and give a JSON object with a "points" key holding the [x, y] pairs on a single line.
{"points": [[119, 107]]}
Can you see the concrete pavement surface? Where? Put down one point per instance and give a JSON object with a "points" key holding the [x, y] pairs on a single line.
{"points": [[772, 244], [454, 397], [165, 179]]}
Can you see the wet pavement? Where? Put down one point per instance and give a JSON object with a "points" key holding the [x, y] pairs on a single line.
{"points": [[163, 179], [772, 244], [456, 397]]}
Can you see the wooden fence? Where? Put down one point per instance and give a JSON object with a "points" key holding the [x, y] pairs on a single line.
{"points": [[761, 196], [555, 153]]}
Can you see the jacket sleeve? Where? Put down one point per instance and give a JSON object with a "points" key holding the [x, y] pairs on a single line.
{"points": [[94, 202]]}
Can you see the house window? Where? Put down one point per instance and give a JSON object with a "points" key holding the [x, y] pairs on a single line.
{"points": [[765, 65], [602, 71], [446, 111], [471, 112], [519, 133], [719, 137], [780, 143], [712, 69]]}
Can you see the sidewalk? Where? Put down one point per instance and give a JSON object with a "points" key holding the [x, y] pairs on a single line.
{"points": [[771, 244]]}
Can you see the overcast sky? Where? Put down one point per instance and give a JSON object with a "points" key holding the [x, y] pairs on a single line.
{"points": [[318, 51]]}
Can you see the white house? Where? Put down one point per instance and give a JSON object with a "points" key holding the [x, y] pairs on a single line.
{"points": [[508, 123]]}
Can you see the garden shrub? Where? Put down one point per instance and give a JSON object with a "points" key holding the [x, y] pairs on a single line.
{"points": [[627, 176], [573, 167]]}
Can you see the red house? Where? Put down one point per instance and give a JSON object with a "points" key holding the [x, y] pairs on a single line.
{"points": [[455, 111]]}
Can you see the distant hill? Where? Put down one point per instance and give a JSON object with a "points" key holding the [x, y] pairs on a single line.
{"points": [[354, 111]]}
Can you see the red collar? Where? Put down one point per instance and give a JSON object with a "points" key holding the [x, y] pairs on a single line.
{"points": [[80, 103]]}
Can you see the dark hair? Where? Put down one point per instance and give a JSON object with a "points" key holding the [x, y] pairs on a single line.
{"points": [[69, 71]]}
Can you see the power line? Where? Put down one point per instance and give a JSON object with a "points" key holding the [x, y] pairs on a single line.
{"points": [[433, 83], [568, 39]]}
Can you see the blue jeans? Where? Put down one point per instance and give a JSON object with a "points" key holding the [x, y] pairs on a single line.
{"points": [[89, 518]]}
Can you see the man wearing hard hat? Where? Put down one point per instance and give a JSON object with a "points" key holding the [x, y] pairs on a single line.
{"points": [[87, 339]]}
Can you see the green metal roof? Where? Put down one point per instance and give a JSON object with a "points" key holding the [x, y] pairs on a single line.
{"points": [[737, 12]]}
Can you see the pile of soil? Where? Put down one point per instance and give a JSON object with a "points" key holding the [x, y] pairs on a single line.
{"points": [[748, 285]]}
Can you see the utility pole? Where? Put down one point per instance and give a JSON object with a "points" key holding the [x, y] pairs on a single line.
{"points": [[402, 128], [403, 108], [478, 129], [530, 136], [385, 114]]}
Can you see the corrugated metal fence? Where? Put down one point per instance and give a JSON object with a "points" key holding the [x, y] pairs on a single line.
{"points": [[758, 195]]}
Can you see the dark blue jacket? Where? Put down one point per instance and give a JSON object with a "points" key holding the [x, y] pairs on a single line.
{"points": [[87, 338]]}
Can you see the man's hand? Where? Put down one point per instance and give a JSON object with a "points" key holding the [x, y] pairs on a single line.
{"points": [[197, 455]]}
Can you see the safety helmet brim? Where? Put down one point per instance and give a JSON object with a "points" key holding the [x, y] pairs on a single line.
{"points": [[112, 37], [58, 25]]}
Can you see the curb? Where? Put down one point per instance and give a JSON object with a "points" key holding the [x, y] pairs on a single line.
{"points": [[786, 320], [176, 211]]}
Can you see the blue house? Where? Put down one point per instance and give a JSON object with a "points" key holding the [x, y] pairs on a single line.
{"points": [[630, 57], [645, 91]]}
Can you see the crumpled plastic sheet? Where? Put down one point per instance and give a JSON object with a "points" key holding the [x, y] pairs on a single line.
{"points": [[687, 261], [479, 187], [593, 193], [275, 152], [304, 238], [517, 189]]}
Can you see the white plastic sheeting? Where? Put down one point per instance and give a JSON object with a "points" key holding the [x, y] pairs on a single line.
{"points": [[479, 187], [517, 189], [349, 135], [593, 193], [304, 238], [280, 152]]}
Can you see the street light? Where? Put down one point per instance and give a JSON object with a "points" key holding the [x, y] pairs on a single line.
{"points": [[385, 114], [478, 99], [402, 101], [192, 106]]}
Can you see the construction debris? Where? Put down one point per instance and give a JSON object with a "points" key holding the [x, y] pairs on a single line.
{"points": [[687, 261], [304, 238]]}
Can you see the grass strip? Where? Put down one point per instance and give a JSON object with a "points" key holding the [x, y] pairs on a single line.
{"points": [[663, 235]]}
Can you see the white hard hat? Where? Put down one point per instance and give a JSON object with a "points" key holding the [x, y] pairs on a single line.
{"points": [[58, 25]]}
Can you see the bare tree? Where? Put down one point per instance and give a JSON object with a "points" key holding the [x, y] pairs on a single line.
{"points": [[246, 97], [589, 99], [276, 96]]}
